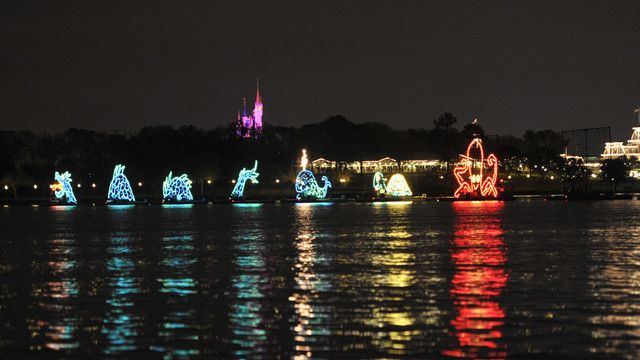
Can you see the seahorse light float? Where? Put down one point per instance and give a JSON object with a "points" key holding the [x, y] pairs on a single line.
{"points": [[379, 183]]}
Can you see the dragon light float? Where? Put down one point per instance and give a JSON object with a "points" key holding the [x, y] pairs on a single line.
{"points": [[63, 190], [476, 175], [119, 189], [177, 189], [243, 176], [396, 186]]}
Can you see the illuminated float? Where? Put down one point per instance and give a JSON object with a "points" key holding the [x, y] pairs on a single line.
{"points": [[63, 190], [476, 176], [243, 176], [396, 186], [307, 188], [176, 189], [120, 191]]}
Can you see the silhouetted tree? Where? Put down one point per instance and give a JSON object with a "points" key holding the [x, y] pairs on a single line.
{"points": [[445, 121], [576, 174], [615, 171], [472, 130]]}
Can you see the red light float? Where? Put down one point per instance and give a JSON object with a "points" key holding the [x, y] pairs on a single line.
{"points": [[470, 173]]}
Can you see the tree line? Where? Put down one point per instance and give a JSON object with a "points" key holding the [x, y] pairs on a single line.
{"points": [[217, 155]]}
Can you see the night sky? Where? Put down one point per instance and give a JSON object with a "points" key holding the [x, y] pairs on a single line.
{"points": [[515, 65]]}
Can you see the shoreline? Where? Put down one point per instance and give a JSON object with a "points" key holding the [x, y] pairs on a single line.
{"points": [[342, 199]]}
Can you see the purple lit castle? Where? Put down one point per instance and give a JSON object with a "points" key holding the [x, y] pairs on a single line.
{"points": [[250, 126]]}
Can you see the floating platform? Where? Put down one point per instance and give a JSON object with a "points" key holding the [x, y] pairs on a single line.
{"points": [[249, 201], [57, 202], [122, 203], [601, 196], [191, 202], [402, 199], [316, 201], [452, 199]]}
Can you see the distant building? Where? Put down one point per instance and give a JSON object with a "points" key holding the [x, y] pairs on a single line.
{"points": [[250, 126], [585, 142], [614, 150], [384, 165]]}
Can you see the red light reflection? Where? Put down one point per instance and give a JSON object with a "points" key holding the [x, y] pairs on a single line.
{"points": [[478, 254]]}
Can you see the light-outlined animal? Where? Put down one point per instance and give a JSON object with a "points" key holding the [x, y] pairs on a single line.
{"points": [[243, 176], [379, 183], [63, 189], [119, 188], [307, 187], [177, 188], [470, 176], [396, 186]]}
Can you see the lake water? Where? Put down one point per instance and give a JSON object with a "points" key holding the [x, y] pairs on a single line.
{"points": [[423, 280]]}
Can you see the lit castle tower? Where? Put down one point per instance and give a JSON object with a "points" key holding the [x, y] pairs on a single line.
{"points": [[250, 126], [257, 110], [247, 121]]}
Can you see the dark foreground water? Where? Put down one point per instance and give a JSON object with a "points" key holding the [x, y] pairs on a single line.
{"points": [[425, 280]]}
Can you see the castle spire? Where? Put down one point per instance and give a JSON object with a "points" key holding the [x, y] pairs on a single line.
{"points": [[244, 107], [258, 99]]}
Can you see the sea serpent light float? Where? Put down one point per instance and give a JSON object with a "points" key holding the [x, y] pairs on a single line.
{"points": [[243, 176]]}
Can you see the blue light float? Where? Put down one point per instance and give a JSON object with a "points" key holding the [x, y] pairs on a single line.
{"points": [[63, 189], [119, 189], [177, 189], [307, 187], [243, 176]]}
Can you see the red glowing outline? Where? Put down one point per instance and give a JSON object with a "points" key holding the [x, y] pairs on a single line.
{"points": [[463, 173]]}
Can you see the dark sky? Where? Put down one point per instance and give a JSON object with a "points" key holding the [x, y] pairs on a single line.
{"points": [[126, 64]]}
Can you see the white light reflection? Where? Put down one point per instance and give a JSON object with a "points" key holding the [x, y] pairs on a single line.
{"points": [[308, 322]]}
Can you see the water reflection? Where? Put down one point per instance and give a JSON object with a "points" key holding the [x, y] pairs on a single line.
{"points": [[121, 324], [249, 331], [394, 260], [309, 322], [614, 284], [425, 281], [479, 257], [57, 322], [177, 336]]}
